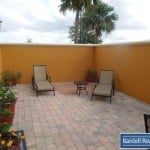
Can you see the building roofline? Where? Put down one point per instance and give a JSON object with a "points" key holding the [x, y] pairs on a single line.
{"points": [[89, 45]]}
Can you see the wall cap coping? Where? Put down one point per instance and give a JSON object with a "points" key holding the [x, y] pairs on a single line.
{"points": [[89, 45]]}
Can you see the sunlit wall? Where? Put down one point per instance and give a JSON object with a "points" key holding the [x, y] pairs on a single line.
{"points": [[68, 63], [131, 63], [64, 63]]}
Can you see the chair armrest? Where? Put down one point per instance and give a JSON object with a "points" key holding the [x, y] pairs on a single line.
{"points": [[48, 78], [113, 86], [33, 81], [96, 83]]}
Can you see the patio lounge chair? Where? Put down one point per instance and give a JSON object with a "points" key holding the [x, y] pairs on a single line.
{"points": [[147, 122], [105, 86], [40, 79]]}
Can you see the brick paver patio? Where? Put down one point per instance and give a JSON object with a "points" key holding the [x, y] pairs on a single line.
{"points": [[69, 122]]}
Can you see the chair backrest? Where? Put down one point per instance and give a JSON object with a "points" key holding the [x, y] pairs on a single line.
{"points": [[106, 76], [39, 72], [147, 122]]}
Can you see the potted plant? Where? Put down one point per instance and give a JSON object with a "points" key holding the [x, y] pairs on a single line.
{"points": [[9, 140], [9, 78], [2, 84], [7, 100], [7, 96], [18, 76], [91, 75], [6, 115]]}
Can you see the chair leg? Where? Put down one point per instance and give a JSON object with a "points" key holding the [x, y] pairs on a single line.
{"points": [[79, 92], [37, 93], [110, 99], [86, 91], [54, 92], [91, 97], [113, 92]]}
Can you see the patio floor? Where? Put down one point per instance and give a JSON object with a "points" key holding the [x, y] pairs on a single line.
{"points": [[69, 122]]}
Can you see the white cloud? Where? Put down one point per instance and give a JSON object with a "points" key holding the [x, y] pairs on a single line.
{"points": [[14, 15], [127, 36], [36, 36], [133, 23], [39, 10], [41, 21]]}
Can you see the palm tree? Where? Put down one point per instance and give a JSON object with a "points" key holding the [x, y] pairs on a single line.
{"points": [[77, 6], [101, 18], [85, 35]]}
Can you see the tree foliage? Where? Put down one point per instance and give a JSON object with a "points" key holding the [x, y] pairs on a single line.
{"points": [[84, 36], [95, 21], [76, 6]]}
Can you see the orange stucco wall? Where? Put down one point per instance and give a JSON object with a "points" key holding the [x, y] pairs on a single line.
{"points": [[131, 63], [64, 63]]}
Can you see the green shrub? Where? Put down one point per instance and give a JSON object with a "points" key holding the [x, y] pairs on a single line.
{"points": [[8, 77], [91, 75]]}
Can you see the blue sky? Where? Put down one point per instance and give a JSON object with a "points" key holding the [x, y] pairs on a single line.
{"points": [[41, 21]]}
